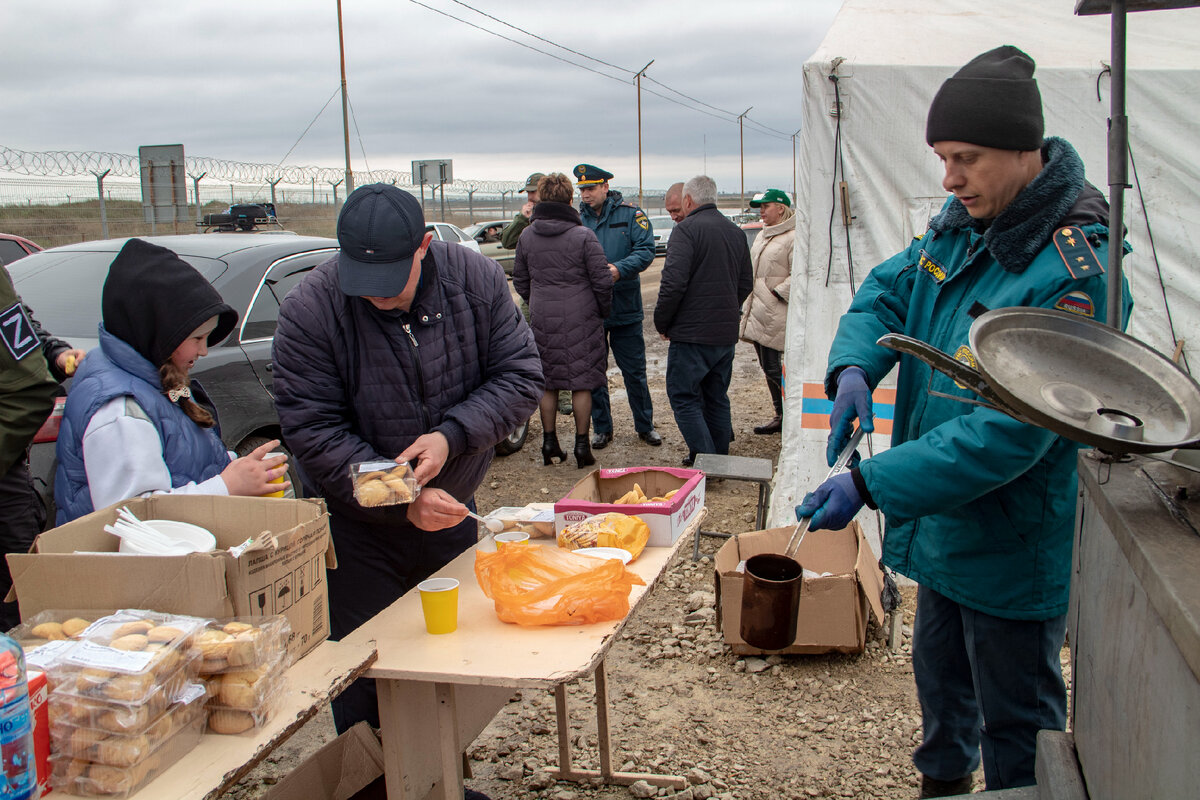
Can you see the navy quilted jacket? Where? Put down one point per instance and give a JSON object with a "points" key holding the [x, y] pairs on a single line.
{"points": [[353, 383]]}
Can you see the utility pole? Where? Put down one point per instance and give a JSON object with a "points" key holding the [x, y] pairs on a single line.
{"points": [[638, 79], [794, 166], [742, 159], [345, 103]]}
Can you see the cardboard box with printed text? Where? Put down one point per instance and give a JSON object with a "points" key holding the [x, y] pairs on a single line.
{"points": [[833, 607], [77, 565], [667, 519]]}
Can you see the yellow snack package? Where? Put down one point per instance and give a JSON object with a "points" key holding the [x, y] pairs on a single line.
{"points": [[607, 530]]}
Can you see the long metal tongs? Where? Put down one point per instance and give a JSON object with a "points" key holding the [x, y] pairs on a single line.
{"points": [[801, 529]]}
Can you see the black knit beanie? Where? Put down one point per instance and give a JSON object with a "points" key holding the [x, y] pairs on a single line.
{"points": [[153, 300], [992, 101]]}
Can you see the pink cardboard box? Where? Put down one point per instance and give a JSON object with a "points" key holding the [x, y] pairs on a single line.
{"points": [[667, 519]]}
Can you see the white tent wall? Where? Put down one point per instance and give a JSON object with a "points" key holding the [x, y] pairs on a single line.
{"points": [[893, 55]]}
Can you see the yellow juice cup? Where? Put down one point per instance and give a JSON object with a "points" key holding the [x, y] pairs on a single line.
{"points": [[510, 537], [439, 602], [280, 479]]}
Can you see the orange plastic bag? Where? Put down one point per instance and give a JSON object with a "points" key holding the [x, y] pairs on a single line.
{"points": [[534, 585]]}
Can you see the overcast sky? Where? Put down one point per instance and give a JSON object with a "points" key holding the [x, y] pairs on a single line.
{"points": [[242, 80]]}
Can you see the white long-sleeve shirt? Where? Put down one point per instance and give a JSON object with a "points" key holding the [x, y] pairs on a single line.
{"points": [[123, 457]]}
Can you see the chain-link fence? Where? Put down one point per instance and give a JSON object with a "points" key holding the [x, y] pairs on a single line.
{"points": [[64, 197]]}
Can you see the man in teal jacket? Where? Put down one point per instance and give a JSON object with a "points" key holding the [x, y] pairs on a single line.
{"points": [[979, 507], [628, 241]]}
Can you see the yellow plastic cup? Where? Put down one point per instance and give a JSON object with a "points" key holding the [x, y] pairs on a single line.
{"points": [[280, 479], [439, 602], [510, 537]]}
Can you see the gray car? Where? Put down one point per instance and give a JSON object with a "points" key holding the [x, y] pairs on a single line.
{"points": [[487, 234]]}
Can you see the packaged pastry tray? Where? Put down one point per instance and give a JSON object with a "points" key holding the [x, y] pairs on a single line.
{"points": [[240, 643], [105, 686], [101, 745], [383, 483], [54, 625], [79, 777]]}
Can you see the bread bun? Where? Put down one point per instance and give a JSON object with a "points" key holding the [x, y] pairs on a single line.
{"points": [[91, 679], [49, 630], [122, 751], [234, 628], [142, 626], [164, 634], [372, 493], [229, 721], [214, 650], [240, 689], [74, 626], [132, 641], [129, 688], [123, 719], [82, 740]]}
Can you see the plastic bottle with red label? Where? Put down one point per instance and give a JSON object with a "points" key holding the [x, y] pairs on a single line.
{"points": [[18, 781]]}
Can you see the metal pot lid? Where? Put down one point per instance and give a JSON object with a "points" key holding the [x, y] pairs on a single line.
{"points": [[1086, 381]]}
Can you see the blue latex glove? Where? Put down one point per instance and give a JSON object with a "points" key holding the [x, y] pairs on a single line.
{"points": [[832, 505], [852, 401]]}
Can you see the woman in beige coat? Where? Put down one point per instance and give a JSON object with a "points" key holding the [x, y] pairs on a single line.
{"points": [[764, 316]]}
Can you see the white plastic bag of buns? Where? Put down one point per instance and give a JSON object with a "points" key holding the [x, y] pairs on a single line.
{"points": [[126, 656], [383, 483], [239, 643]]}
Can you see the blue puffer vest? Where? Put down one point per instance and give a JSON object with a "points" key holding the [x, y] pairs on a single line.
{"points": [[115, 369]]}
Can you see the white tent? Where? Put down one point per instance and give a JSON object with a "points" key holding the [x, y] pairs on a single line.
{"points": [[867, 129]]}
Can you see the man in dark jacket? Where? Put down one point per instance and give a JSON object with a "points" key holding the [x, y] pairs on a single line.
{"points": [[398, 348], [628, 240], [706, 278]]}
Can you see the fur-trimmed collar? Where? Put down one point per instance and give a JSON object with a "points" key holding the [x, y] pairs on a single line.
{"points": [[1024, 227]]}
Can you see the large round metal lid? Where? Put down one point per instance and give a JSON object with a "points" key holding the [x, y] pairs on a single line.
{"points": [[1086, 381]]}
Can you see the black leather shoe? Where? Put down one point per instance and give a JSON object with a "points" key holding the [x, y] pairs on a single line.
{"points": [[774, 426], [551, 450], [583, 453], [651, 438], [688, 460], [932, 787], [601, 440]]}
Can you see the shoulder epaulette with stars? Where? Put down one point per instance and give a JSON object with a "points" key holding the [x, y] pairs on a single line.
{"points": [[1077, 253]]}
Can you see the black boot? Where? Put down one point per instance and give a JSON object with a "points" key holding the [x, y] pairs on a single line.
{"points": [[774, 426], [583, 452], [551, 450], [932, 787]]}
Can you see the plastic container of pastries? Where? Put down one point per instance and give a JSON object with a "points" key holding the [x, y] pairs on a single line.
{"points": [[536, 519], [228, 720], [124, 655], [246, 689], [230, 645], [383, 483], [54, 625], [91, 779], [126, 749], [87, 694]]}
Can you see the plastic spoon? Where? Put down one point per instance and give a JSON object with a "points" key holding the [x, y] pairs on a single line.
{"points": [[493, 525]]}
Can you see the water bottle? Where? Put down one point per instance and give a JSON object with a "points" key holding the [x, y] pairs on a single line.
{"points": [[19, 778]]}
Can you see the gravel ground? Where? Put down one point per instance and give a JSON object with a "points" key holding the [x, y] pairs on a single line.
{"points": [[680, 702]]}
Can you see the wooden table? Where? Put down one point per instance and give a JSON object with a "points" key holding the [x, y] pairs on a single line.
{"points": [[437, 693], [218, 761]]}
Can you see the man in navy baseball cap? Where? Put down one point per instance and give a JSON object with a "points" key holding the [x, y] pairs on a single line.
{"points": [[382, 234]]}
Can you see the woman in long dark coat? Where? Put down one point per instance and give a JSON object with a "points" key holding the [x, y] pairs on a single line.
{"points": [[561, 271]]}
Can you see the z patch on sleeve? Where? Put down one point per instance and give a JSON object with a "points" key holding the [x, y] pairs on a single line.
{"points": [[17, 332]]}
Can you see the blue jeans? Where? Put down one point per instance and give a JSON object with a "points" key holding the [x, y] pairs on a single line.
{"points": [[375, 566], [698, 387], [629, 351], [984, 682]]}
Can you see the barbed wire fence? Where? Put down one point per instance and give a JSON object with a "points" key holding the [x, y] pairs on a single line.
{"points": [[58, 197]]}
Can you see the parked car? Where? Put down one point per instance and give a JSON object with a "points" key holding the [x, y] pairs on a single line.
{"points": [[751, 229], [13, 248], [252, 272], [662, 232], [451, 233], [487, 234]]}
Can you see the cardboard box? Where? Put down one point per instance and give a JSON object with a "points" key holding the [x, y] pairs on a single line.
{"points": [[348, 768], [76, 565], [833, 608], [39, 710], [596, 492]]}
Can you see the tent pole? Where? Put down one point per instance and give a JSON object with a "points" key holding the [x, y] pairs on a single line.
{"points": [[1118, 163]]}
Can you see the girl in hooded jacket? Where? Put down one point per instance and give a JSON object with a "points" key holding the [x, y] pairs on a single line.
{"points": [[135, 424]]}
